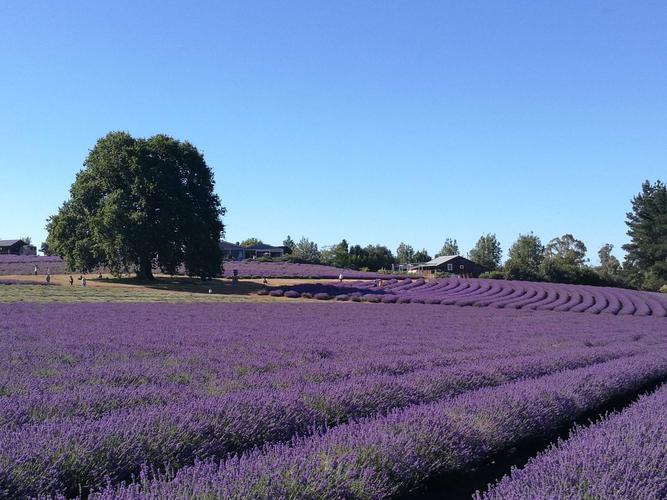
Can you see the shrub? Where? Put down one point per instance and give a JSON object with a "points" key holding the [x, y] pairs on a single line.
{"points": [[389, 299], [355, 298], [292, 294], [306, 295], [494, 275], [663, 289], [416, 300], [403, 300], [342, 297], [263, 292], [369, 297], [432, 301], [276, 293], [322, 296]]}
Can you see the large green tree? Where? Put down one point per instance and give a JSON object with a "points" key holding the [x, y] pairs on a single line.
{"points": [[487, 252], [646, 257], [524, 257], [609, 264], [140, 204]]}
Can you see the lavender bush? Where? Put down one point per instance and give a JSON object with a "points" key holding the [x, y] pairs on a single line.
{"points": [[500, 294], [623, 456]]}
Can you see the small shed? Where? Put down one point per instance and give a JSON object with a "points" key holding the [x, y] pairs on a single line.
{"points": [[453, 264], [11, 247]]}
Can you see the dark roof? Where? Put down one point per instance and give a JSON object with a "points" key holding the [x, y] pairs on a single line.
{"points": [[226, 245], [263, 246], [9, 243], [438, 261]]}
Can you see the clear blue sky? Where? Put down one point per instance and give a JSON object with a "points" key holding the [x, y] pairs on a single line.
{"points": [[378, 122]]}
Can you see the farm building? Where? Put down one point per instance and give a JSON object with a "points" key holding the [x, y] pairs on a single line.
{"points": [[453, 264], [16, 247], [231, 251]]}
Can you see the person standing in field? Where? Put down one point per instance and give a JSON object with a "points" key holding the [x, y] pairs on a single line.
{"points": [[340, 278], [71, 280], [83, 281], [35, 270], [48, 278]]}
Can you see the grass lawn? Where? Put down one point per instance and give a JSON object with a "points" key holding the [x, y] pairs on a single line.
{"points": [[108, 289]]}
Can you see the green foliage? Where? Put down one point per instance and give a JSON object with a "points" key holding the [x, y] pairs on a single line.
{"points": [[306, 251], [487, 252], [422, 256], [646, 259], [251, 242], [289, 244], [525, 256], [450, 247], [372, 257], [405, 254], [44, 248], [568, 249], [609, 265], [26, 239], [140, 203], [494, 275], [663, 289]]}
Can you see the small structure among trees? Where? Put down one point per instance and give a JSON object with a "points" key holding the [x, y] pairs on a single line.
{"points": [[17, 247], [452, 264]]}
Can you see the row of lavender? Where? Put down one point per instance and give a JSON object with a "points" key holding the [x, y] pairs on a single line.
{"points": [[25, 264], [494, 293], [623, 456], [386, 455], [90, 392]]}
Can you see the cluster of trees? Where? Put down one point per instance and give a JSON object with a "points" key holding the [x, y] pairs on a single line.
{"points": [[562, 259], [142, 204]]}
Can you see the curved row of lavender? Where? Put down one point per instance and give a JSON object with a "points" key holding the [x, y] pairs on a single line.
{"points": [[492, 293], [89, 393], [387, 455], [25, 264], [623, 456]]}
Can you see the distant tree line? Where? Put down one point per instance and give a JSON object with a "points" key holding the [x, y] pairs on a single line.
{"points": [[561, 259]]}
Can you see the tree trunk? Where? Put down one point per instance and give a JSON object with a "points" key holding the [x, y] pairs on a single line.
{"points": [[145, 272]]}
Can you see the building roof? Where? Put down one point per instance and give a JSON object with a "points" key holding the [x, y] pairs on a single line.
{"points": [[440, 260], [226, 245], [9, 243], [263, 246]]}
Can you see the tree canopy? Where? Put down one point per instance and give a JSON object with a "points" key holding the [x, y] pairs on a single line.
{"points": [[449, 247], [139, 204], [306, 250], [289, 244], [646, 258], [487, 252], [405, 254], [567, 248], [251, 242], [524, 257]]}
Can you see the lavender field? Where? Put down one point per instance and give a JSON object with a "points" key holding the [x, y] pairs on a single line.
{"points": [[488, 293], [295, 400], [25, 264]]}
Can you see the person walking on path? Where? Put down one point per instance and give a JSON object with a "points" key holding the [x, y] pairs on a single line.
{"points": [[340, 278]]}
